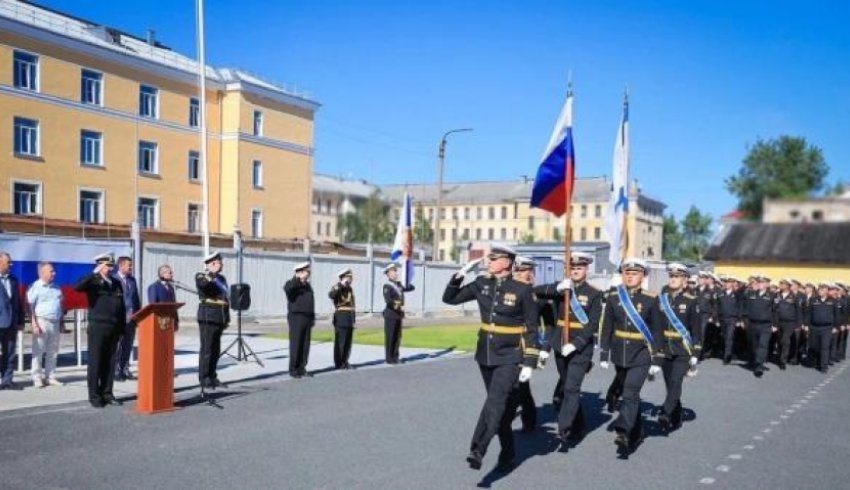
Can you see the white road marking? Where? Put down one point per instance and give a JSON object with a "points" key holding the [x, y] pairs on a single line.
{"points": [[707, 481], [724, 468], [735, 456]]}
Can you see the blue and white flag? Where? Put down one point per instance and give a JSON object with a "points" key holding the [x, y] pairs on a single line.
{"points": [[402, 252], [616, 222]]}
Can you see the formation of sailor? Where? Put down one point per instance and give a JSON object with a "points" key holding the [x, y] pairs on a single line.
{"points": [[507, 350]]}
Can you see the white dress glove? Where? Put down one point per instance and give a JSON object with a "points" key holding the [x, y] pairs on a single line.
{"points": [[524, 374], [542, 358], [603, 364], [468, 267], [693, 361], [564, 285], [653, 370], [567, 349]]}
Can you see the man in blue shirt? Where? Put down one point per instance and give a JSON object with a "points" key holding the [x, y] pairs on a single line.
{"points": [[45, 300]]}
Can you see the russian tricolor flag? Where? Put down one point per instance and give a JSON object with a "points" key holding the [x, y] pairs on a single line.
{"points": [[553, 186]]}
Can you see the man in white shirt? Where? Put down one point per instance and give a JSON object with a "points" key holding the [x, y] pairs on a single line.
{"points": [[45, 300]]}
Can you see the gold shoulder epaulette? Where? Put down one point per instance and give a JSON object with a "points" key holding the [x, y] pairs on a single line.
{"points": [[649, 293], [688, 295]]}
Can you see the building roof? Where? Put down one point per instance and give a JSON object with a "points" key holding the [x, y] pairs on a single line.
{"points": [[347, 187], [782, 242], [127, 46], [590, 189]]}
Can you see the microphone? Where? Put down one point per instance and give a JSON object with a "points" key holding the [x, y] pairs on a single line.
{"points": [[180, 285]]}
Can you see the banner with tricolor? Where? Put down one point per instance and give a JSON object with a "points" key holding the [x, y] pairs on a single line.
{"points": [[616, 221], [553, 186], [402, 252], [72, 258]]}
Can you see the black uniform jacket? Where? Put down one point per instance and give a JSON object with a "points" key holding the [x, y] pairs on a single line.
{"points": [[342, 296], [686, 307], [214, 306], [394, 299], [299, 297], [509, 318], [580, 335], [621, 341], [105, 298]]}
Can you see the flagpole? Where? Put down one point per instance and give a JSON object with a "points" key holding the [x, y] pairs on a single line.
{"points": [[568, 232], [202, 114]]}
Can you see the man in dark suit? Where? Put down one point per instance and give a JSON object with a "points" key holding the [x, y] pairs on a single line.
{"points": [[106, 322], [162, 290], [132, 304], [11, 321]]}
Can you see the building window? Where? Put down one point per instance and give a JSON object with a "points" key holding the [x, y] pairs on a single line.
{"points": [[328, 229], [504, 212], [194, 112], [430, 214], [515, 233], [491, 213], [26, 137], [258, 123], [597, 211], [147, 212], [491, 234], [442, 255], [504, 235], [597, 233], [256, 223], [817, 215], [583, 234], [318, 229], [454, 234], [478, 214], [465, 234], [27, 198], [26, 71], [148, 101], [91, 87], [257, 176], [478, 233], [442, 213], [466, 213], [194, 166], [331, 209], [584, 211], [454, 213], [794, 214], [531, 224], [91, 148], [516, 210], [193, 218], [91, 206], [148, 161], [442, 234]]}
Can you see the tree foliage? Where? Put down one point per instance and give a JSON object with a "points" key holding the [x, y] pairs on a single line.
{"points": [[369, 223], [687, 239], [787, 167]]}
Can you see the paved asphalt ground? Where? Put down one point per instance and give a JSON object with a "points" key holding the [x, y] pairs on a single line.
{"points": [[409, 427]]}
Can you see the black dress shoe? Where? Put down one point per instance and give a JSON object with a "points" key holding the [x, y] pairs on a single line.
{"points": [[621, 440], [218, 384], [295, 375], [611, 404], [474, 460], [112, 401], [727, 361], [664, 421], [96, 403], [782, 366], [306, 373], [758, 372]]}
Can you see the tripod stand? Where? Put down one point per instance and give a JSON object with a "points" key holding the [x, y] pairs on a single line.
{"points": [[244, 353]]}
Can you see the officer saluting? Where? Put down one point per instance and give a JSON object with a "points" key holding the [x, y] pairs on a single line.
{"points": [[106, 321], [393, 313], [342, 296], [682, 334], [507, 348], [573, 358], [213, 318], [761, 317], [632, 338], [301, 316]]}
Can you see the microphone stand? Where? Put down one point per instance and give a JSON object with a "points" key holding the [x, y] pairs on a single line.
{"points": [[243, 350]]}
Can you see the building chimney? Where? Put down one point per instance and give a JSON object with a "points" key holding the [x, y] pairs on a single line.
{"points": [[151, 37]]}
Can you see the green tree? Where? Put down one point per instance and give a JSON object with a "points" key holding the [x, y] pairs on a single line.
{"points": [[696, 232], [671, 241], [556, 234], [422, 228], [787, 167], [527, 238], [370, 222]]}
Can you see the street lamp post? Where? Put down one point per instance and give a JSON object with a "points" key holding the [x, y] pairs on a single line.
{"points": [[439, 201]]}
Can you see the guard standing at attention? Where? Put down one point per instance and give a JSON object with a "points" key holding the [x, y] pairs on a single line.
{"points": [[507, 349], [393, 313]]}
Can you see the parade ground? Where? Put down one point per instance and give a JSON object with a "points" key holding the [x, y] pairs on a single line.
{"points": [[408, 426]]}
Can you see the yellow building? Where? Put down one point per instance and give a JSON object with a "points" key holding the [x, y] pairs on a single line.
{"points": [[483, 211], [804, 251], [100, 126]]}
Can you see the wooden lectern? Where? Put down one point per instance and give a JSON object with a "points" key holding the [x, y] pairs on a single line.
{"points": [[155, 330]]}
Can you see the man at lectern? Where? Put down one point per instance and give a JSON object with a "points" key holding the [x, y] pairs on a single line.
{"points": [[162, 290]]}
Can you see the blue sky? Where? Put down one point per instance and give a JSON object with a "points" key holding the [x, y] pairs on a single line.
{"points": [[706, 79]]}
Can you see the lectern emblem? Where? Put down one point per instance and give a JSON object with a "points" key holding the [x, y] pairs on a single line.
{"points": [[164, 322]]}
